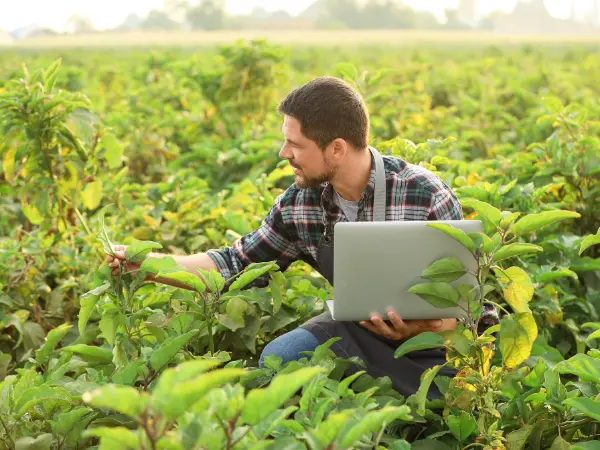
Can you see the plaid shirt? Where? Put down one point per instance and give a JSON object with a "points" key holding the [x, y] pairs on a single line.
{"points": [[293, 227]]}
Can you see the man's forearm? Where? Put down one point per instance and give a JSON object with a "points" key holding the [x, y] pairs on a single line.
{"points": [[190, 262]]}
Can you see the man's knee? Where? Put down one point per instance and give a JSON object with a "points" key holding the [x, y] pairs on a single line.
{"points": [[289, 346]]}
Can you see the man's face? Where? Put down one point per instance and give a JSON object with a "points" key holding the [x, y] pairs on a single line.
{"points": [[311, 164]]}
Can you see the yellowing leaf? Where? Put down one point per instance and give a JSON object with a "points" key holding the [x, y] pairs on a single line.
{"points": [[8, 165], [32, 213], [114, 150], [472, 179], [92, 194], [520, 289], [517, 334]]}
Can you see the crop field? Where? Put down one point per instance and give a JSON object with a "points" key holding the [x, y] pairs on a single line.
{"points": [[176, 151], [300, 38]]}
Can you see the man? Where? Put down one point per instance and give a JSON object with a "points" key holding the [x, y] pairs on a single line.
{"points": [[326, 129]]}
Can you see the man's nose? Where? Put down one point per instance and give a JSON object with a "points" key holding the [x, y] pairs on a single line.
{"points": [[284, 153]]}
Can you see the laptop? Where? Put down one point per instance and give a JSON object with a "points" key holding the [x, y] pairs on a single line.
{"points": [[375, 263]]}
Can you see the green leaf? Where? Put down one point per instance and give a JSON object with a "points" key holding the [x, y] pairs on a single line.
{"points": [[124, 399], [90, 353], [262, 402], [462, 426], [588, 241], [373, 422], [165, 264], [494, 215], [588, 406], [114, 437], [92, 194], [236, 308], [343, 389], [483, 241], [137, 251], [547, 277], [277, 285], [420, 397], [400, 444], [327, 431], [36, 395], [4, 362], [108, 325], [594, 335], [267, 426], [186, 278], [517, 439], [459, 341], [213, 279], [509, 219], [52, 340], [88, 304], [519, 291], [440, 295], [161, 357], [516, 249], [588, 445], [114, 150], [103, 233], [251, 273], [50, 75], [180, 387], [42, 442], [532, 222], [455, 233], [582, 365], [421, 341], [560, 444], [445, 270], [129, 373], [33, 335], [553, 104], [66, 421], [517, 335], [429, 444]]}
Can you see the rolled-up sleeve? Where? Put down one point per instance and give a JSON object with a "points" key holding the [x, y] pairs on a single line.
{"points": [[274, 240]]}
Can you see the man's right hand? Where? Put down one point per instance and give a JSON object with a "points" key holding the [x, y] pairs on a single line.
{"points": [[114, 263]]}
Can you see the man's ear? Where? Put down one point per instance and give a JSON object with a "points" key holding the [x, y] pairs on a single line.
{"points": [[337, 149]]}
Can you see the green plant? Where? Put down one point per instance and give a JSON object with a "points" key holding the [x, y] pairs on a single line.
{"points": [[476, 390]]}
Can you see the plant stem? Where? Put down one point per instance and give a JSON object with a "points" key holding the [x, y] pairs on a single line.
{"points": [[474, 444], [208, 313], [149, 432], [7, 432], [237, 441], [211, 342]]}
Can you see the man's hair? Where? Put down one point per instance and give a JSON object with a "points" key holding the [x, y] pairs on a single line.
{"points": [[329, 108]]}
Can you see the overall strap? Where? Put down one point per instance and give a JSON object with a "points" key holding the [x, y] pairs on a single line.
{"points": [[379, 202]]}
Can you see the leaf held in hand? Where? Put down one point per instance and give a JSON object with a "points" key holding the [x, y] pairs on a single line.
{"points": [[138, 250]]}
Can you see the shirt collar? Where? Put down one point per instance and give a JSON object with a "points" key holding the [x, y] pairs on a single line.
{"points": [[327, 195]]}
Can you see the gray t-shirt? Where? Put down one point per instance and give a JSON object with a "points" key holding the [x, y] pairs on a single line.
{"points": [[350, 208]]}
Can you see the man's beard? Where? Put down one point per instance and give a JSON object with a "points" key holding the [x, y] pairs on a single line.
{"points": [[304, 182]]}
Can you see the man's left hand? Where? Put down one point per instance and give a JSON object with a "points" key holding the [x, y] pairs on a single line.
{"points": [[400, 330]]}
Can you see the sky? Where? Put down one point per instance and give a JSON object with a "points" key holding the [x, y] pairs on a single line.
{"points": [[110, 13]]}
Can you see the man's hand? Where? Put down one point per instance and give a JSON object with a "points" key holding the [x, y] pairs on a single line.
{"points": [[400, 330], [114, 263]]}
